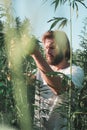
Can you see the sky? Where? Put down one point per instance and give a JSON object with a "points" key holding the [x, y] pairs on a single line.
{"points": [[41, 11]]}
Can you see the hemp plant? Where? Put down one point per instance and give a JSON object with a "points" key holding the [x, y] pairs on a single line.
{"points": [[19, 43]]}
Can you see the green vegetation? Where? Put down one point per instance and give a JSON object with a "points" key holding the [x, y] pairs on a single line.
{"points": [[17, 84]]}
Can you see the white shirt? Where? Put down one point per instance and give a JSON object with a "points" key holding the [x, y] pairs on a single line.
{"points": [[47, 99]]}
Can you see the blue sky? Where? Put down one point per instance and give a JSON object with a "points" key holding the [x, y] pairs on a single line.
{"points": [[39, 12]]}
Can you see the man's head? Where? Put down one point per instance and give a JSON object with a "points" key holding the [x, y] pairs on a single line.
{"points": [[57, 47]]}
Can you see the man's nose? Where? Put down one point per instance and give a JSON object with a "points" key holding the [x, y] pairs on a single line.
{"points": [[49, 51]]}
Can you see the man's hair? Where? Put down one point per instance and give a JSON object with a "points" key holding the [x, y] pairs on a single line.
{"points": [[61, 38]]}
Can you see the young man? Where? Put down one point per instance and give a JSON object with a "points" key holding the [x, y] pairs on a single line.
{"points": [[52, 91]]}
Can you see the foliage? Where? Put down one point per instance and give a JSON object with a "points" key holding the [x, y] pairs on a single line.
{"points": [[62, 21], [57, 20], [8, 107], [79, 58], [6, 96], [8, 110]]}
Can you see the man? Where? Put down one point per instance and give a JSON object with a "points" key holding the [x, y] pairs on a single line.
{"points": [[52, 91]]}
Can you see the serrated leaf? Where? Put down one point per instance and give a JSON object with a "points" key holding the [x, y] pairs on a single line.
{"points": [[50, 20], [73, 5], [56, 20], [56, 3], [53, 24], [81, 2], [63, 23], [1, 84], [76, 9]]}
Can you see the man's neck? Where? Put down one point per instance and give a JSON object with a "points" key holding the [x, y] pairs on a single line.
{"points": [[64, 64]]}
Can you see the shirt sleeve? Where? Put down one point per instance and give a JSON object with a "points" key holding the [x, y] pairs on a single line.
{"points": [[77, 76]]}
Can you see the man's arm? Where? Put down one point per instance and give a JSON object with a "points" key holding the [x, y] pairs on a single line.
{"points": [[54, 82]]}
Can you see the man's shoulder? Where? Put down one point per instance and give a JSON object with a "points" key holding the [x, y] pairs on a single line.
{"points": [[77, 68]]}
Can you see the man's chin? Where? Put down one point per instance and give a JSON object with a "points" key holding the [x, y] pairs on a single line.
{"points": [[50, 62]]}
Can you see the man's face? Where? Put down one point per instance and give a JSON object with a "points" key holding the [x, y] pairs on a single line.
{"points": [[53, 53]]}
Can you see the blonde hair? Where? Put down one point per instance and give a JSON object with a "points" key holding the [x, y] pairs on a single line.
{"points": [[61, 39]]}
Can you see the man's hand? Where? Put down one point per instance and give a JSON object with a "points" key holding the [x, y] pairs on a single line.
{"points": [[29, 45], [33, 43]]}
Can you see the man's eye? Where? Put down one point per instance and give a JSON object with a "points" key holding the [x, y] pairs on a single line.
{"points": [[52, 48]]}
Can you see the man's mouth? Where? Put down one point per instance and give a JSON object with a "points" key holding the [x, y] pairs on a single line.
{"points": [[49, 55]]}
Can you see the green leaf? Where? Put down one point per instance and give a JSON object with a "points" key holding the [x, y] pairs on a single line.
{"points": [[57, 20], [56, 2], [1, 84], [81, 2], [63, 23], [53, 24], [76, 9]]}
